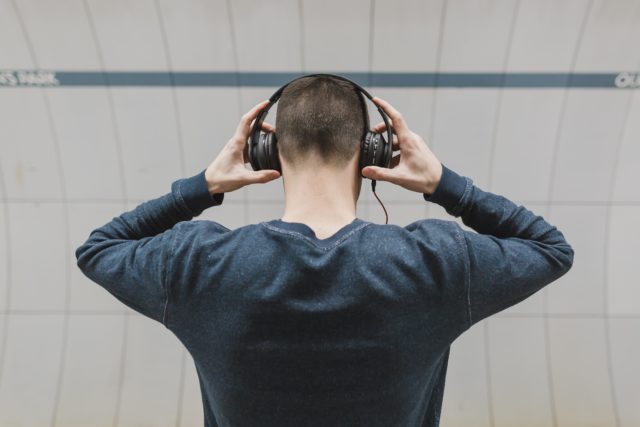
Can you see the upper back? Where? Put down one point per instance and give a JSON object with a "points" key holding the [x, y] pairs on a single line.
{"points": [[364, 315]]}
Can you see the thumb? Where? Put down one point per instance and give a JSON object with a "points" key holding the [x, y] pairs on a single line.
{"points": [[378, 173], [263, 176]]}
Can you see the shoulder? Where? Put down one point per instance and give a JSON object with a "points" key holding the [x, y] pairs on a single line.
{"points": [[432, 223], [428, 235], [428, 227], [199, 225], [435, 232], [203, 231], [197, 230]]}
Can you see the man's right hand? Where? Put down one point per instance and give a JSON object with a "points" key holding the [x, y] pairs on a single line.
{"points": [[416, 168]]}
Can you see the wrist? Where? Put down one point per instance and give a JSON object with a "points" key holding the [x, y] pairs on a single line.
{"points": [[450, 190], [433, 178], [212, 185], [193, 193], [214, 189]]}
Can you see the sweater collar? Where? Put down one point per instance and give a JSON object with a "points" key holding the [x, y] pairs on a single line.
{"points": [[305, 230]]}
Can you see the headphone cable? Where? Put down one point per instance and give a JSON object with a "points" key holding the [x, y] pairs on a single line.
{"points": [[373, 188]]}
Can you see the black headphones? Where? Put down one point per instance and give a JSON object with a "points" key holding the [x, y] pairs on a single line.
{"points": [[374, 150]]}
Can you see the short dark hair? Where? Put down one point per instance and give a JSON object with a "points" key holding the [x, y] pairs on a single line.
{"points": [[321, 114]]}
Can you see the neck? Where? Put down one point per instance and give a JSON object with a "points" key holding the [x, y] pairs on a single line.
{"points": [[321, 196]]}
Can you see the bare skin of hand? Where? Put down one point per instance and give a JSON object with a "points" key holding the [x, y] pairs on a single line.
{"points": [[416, 168], [228, 172]]}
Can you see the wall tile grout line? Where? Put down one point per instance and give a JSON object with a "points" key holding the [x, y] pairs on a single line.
{"points": [[497, 113], [607, 254], [123, 183], [183, 171], [8, 273], [434, 93], [67, 228], [554, 160]]}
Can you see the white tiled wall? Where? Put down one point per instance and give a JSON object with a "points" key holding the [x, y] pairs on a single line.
{"points": [[72, 158]]}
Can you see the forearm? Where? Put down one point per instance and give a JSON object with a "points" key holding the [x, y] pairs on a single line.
{"points": [[130, 255], [513, 253], [490, 213], [188, 198]]}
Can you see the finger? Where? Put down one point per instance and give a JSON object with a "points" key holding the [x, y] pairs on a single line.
{"points": [[379, 173], [247, 119], [382, 127], [253, 113], [379, 127], [267, 127], [398, 123], [260, 177]]}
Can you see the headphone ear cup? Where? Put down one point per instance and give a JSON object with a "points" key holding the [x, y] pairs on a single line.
{"points": [[271, 152], [386, 152], [364, 152], [261, 152], [375, 151], [252, 152]]}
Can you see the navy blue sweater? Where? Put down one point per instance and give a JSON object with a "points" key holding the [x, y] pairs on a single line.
{"points": [[354, 330]]}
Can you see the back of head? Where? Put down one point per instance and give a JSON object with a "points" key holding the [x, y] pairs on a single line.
{"points": [[322, 116]]}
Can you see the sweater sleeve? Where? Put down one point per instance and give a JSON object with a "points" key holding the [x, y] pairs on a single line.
{"points": [[128, 255], [512, 252]]}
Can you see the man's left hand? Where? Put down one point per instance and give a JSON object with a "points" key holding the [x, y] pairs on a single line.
{"points": [[227, 172]]}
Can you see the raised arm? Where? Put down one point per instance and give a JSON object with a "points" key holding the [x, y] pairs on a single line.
{"points": [[128, 256], [512, 253], [132, 255]]}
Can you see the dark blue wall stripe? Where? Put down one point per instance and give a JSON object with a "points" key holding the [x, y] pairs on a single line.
{"points": [[27, 78]]}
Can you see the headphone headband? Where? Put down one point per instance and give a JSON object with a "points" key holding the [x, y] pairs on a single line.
{"points": [[257, 126]]}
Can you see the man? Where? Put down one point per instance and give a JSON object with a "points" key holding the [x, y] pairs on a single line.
{"points": [[320, 318]]}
